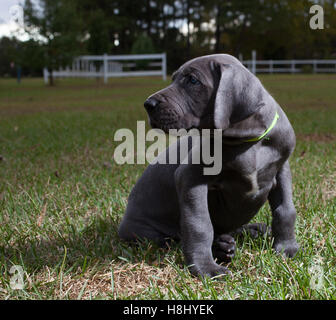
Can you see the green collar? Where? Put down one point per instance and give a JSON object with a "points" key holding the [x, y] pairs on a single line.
{"points": [[276, 117]]}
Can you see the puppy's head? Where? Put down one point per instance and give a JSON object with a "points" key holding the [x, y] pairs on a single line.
{"points": [[210, 92]]}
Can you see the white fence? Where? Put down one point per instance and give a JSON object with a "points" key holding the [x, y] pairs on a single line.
{"points": [[291, 66], [106, 66]]}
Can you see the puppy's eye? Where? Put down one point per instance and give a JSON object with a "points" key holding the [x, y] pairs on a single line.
{"points": [[193, 80]]}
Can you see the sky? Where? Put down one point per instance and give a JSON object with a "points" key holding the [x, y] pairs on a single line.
{"points": [[8, 27]]}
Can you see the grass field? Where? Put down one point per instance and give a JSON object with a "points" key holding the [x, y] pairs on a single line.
{"points": [[62, 197]]}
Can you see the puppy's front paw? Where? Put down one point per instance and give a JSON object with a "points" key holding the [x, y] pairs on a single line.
{"points": [[287, 247], [224, 248]]}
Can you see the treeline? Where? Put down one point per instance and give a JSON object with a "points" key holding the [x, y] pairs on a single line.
{"points": [[276, 29]]}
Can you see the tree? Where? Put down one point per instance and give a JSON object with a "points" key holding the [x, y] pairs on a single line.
{"points": [[58, 27], [99, 41], [277, 29], [142, 45], [8, 55]]}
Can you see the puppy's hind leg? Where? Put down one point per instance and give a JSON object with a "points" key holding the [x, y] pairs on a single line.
{"points": [[132, 229], [223, 248], [224, 245], [254, 230]]}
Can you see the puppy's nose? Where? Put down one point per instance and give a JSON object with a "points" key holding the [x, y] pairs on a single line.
{"points": [[151, 103]]}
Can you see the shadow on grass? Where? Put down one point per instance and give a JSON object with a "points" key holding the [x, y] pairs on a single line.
{"points": [[95, 243], [98, 244]]}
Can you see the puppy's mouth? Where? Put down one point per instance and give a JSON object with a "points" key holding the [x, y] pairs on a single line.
{"points": [[164, 118], [168, 126], [170, 118], [165, 126]]}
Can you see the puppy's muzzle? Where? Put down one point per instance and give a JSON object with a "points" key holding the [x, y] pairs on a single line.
{"points": [[162, 115]]}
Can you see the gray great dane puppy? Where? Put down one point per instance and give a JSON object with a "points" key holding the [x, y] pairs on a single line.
{"points": [[203, 211]]}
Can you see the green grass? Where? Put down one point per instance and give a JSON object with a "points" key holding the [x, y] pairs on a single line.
{"points": [[62, 197]]}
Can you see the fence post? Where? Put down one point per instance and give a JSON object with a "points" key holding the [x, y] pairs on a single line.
{"points": [[164, 66], [105, 70], [45, 75], [271, 66], [314, 66], [293, 67], [254, 56]]}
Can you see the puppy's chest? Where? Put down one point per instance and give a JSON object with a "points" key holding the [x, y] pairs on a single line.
{"points": [[248, 174], [249, 184]]}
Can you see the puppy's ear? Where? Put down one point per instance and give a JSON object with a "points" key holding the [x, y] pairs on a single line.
{"points": [[239, 95]]}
